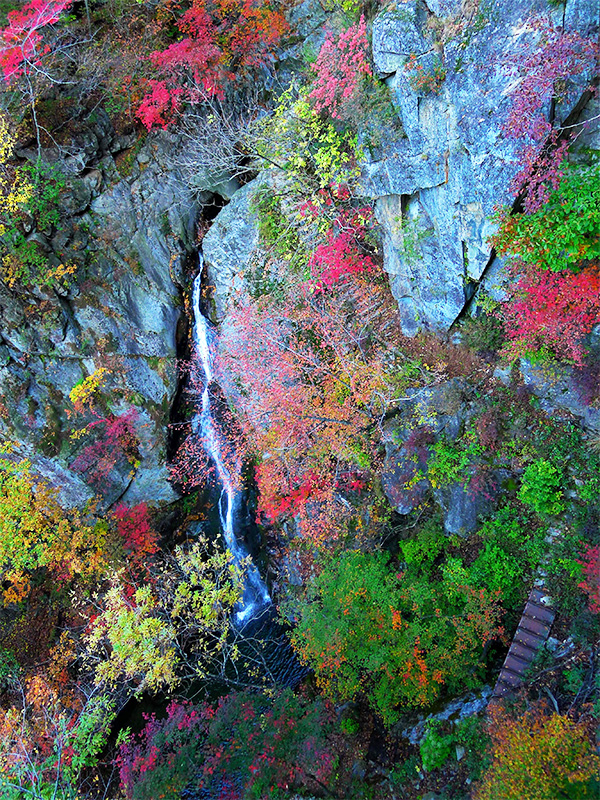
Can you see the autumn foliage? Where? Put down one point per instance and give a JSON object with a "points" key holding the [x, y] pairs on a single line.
{"points": [[394, 637], [590, 563], [50, 737], [543, 72], [540, 756], [344, 252], [22, 45], [310, 391], [221, 42], [240, 747], [36, 534], [340, 67], [554, 249], [136, 533], [553, 310], [109, 439]]}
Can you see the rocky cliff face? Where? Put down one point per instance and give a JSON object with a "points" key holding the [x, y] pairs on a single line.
{"points": [[436, 188], [128, 227]]}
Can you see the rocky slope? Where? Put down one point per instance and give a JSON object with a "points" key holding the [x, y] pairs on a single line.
{"points": [[128, 226]]}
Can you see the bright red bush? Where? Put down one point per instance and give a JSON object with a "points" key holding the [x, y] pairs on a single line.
{"points": [[160, 105], [230, 750], [344, 252], [591, 571], [340, 66], [552, 310], [21, 40], [133, 526]]}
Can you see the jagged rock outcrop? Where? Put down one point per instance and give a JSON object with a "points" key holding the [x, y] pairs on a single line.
{"points": [[229, 246], [432, 414], [128, 233], [565, 390], [436, 188]]}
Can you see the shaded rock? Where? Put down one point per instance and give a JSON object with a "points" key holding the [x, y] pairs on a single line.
{"points": [[442, 408], [427, 414], [493, 286], [559, 389], [403, 477], [455, 710], [306, 17], [72, 491], [462, 506], [77, 196]]}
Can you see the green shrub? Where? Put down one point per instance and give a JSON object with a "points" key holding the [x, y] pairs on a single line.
{"points": [[564, 232], [274, 229], [451, 460], [516, 533], [484, 333], [541, 488], [422, 550], [436, 747], [499, 571], [350, 726], [406, 772], [22, 258], [471, 734]]}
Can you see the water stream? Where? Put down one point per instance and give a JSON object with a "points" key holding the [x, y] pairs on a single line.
{"points": [[256, 598]]}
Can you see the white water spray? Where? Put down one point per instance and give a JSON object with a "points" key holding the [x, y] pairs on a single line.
{"points": [[255, 596]]}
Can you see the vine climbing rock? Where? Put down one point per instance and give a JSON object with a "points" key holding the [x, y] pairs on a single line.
{"points": [[436, 187]]}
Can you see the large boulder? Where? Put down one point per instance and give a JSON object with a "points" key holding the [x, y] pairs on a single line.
{"points": [[229, 246]]}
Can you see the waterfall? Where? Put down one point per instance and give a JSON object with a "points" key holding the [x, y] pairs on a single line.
{"points": [[256, 596]]}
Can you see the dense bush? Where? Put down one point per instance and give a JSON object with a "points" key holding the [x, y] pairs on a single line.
{"points": [[540, 756], [245, 746], [398, 638], [541, 488]]}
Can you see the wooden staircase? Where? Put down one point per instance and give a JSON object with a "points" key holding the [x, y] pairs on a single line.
{"points": [[532, 633]]}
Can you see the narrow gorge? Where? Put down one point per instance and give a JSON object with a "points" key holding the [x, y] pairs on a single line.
{"points": [[300, 399]]}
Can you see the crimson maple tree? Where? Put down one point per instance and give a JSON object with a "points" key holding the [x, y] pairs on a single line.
{"points": [[22, 45], [222, 42]]}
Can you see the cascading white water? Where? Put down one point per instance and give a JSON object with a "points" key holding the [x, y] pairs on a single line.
{"points": [[256, 597]]}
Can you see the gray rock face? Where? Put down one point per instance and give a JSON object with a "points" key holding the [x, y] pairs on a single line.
{"points": [[462, 507], [436, 189], [127, 237], [229, 246], [431, 414]]}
